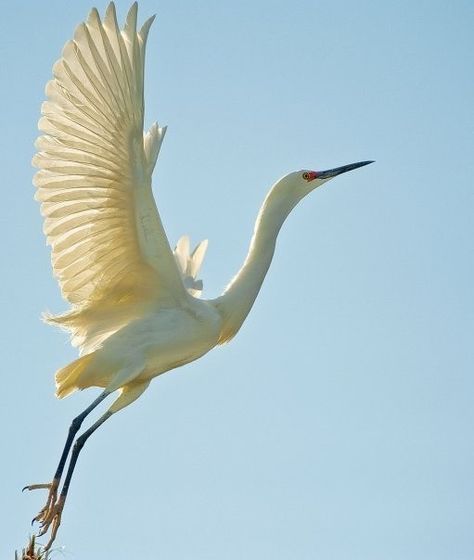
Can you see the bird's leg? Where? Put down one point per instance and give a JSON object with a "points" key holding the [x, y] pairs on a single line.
{"points": [[46, 512], [53, 517]]}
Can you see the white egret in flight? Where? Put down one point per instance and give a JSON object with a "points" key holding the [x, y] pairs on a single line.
{"points": [[136, 310]]}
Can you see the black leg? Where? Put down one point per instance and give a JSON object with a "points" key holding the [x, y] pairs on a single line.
{"points": [[56, 509], [73, 429], [50, 515], [78, 445], [44, 516]]}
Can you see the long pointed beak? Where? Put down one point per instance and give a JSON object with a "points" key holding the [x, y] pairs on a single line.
{"points": [[338, 170]]}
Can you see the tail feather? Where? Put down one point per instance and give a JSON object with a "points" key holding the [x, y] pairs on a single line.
{"points": [[67, 378]]}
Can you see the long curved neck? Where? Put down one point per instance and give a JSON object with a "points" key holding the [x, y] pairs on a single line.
{"points": [[239, 296]]}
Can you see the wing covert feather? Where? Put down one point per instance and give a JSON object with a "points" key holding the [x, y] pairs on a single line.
{"points": [[95, 165]]}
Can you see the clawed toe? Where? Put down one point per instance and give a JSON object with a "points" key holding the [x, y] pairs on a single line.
{"points": [[52, 509], [42, 516], [51, 519], [47, 485]]}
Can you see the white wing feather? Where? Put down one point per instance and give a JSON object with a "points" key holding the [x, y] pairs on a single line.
{"points": [[190, 263], [94, 182]]}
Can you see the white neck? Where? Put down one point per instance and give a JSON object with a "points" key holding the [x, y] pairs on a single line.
{"points": [[239, 296]]}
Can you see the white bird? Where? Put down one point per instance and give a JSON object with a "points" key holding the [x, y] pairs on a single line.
{"points": [[136, 311]]}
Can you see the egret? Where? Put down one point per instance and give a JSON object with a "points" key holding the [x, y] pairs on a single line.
{"points": [[136, 310]]}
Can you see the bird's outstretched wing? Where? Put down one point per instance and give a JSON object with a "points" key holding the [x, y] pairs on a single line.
{"points": [[95, 163]]}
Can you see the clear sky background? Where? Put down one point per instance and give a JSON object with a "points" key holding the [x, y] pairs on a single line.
{"points": [[338, 424]]}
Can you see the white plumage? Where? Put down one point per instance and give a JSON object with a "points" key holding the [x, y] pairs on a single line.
{"points": [[135, 311]]}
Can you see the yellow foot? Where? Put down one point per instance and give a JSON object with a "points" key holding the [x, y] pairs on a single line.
{"points": [[49, 516], [51, 520], [45, 512]]}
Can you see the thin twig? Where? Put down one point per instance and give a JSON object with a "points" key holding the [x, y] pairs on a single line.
{"points": [[32, 552]]}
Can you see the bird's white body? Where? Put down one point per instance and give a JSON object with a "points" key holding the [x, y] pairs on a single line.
{"points": [[128, 343], [135, 306], [157, 341], [136, 311]]}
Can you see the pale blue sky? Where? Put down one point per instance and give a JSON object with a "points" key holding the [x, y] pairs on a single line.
{"points": [[338, 424]]}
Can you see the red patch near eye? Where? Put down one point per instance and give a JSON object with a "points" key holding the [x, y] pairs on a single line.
{"points": [[310, 175]]}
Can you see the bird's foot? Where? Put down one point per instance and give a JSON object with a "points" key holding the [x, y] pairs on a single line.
{"points": [[51, 519], [50, 500], [50, 515]]}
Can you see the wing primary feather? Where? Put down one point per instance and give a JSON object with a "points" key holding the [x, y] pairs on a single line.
{"points": [[127, 70], [107, 78], [52, 125], [94, 83], [64, 100], [94, 174], [112, 60], [145, 28]]}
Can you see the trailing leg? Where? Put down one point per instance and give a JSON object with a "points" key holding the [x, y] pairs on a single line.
{"points": [[52, 518], [53, 486]]}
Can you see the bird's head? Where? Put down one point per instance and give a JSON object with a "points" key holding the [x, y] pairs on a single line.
{"points": [[296, 185], [291, 188]]}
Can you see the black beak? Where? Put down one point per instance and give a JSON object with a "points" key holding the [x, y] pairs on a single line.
{"points": [[338, 170]]}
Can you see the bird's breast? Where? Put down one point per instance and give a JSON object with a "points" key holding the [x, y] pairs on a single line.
{"points": [[173, 337]]}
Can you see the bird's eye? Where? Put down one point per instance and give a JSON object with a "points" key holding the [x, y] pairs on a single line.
{"points": [[306, 176]]}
